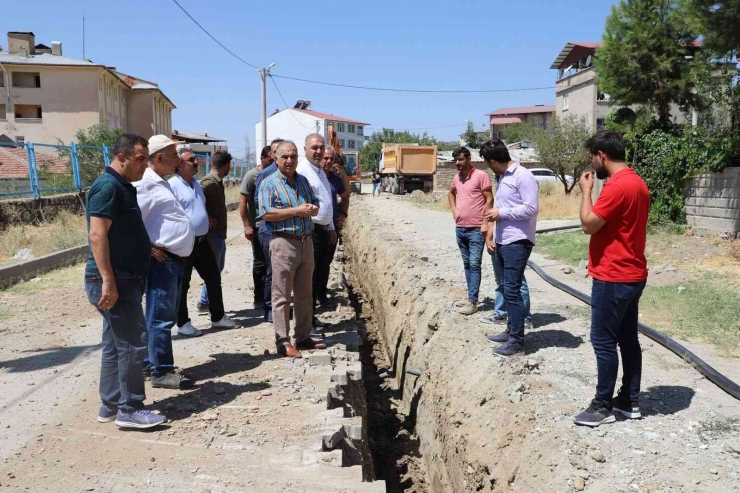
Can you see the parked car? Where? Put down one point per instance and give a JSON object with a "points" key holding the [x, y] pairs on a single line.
{"points": [[544, 175]]}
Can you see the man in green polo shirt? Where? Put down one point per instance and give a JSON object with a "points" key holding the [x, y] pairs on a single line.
{"points": [[115, 274]]}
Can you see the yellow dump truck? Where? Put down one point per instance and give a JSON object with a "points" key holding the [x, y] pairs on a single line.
{"points": [[408, 167]]}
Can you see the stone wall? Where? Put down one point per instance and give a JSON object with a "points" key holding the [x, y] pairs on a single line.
{"points": [[712, 203], [446, 173], [30, 211]]}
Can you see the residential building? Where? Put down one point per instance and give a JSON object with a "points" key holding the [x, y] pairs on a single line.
{"points": [[46, 97], [201, 144], [577, 90], [539, 115], [298, 122]]}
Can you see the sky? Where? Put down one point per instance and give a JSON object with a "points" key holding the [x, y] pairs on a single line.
{"points": [[466, 44]]}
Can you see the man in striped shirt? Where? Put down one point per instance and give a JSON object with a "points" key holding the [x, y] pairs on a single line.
{"points": [[288, 203]]}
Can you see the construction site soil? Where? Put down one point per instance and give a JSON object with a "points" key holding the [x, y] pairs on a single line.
{"points": [[464, 421], [418, 404]]}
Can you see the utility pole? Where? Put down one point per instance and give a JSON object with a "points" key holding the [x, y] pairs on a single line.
{"points": [[264, 74]]}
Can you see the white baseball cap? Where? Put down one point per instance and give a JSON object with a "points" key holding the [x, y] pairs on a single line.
{"points": [[159, 142]]}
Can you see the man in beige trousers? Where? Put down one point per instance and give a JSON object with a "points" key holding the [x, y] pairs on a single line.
{"points": [[287, 204]]}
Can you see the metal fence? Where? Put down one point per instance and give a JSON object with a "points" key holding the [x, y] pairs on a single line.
{"points": [[34, 170]]}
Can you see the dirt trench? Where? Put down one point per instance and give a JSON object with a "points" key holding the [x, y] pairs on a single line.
{"points": [[439, 414]]}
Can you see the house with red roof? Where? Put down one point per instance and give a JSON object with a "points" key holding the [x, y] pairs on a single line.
{"points": [[539, 115], [300, 121]]}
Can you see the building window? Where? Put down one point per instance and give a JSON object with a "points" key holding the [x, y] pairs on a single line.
{"points": [[28, 113], [2, 80], [351, 128], [359, 130], [3, 115], [341, 143], [19, 139], [340, 127], [350, 144], [566, 103], [27, 79]]}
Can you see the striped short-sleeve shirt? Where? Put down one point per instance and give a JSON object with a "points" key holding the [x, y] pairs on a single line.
{"points": [[276, 192]]}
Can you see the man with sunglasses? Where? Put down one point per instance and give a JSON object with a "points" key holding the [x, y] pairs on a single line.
{"points": [[187, 190]]}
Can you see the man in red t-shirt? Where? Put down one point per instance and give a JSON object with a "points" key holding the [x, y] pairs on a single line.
{"points": [[617, 224], [470, 197]]}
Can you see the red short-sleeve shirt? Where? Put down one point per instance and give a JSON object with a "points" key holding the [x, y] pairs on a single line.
{"points": [[616, 252], [471, 203]]}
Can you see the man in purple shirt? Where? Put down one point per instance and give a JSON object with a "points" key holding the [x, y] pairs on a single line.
{"points": [[515, 214]]}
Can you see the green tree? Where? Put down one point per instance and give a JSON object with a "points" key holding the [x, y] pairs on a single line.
{"points": [[89, 149], [647, 57], [372, 149], [518, 132], [561, 148], [718, 21]]}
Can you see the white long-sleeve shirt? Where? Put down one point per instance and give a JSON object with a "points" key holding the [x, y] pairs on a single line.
{"points": [[322, 189], [165, 220]]}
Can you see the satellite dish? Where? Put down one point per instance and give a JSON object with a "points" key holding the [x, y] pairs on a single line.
{"points": [[589, 59]]}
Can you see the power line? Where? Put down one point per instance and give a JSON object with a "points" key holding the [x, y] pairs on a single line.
{"points": [[366, 88], [286, 104], [390, 89], [214, 39]]}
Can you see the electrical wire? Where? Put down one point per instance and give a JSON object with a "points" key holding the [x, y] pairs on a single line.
{"points": [[390, 89], [366, 88], [285, 102], [214, 39]]}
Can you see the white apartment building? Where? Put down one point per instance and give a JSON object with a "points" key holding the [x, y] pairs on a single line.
{"points": [[297, 123]]}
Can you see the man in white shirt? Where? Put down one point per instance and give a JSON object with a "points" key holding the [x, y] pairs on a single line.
{"points": [[172, 238], [188, 192], [324, 235]]}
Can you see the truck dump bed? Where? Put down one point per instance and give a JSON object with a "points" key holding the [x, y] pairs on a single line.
{"points": [[417, 160]]}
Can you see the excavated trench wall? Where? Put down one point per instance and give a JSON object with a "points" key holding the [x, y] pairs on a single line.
{"points": [[471, 436]]}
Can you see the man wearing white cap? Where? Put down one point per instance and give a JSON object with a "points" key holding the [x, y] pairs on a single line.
{"points": [[172, 238]]}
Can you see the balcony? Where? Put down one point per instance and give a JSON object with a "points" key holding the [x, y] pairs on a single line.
{"points": [[28, 113]]}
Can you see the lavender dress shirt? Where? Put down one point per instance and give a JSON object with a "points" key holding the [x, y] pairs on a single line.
{"points": [[516, 198]]}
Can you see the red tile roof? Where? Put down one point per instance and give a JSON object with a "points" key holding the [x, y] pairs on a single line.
{"points": [[14, 163], [524, 110], [327, 116]]}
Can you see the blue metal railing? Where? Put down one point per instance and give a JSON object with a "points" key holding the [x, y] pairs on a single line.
{"points": [[59, 168]]}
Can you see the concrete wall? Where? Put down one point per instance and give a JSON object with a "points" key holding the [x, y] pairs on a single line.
{"points": [[112, 94], [68, 97], [140, 113], [713, 203], [446, 173], [30, 211]]}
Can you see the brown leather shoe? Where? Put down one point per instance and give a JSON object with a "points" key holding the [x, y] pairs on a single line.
{"points": [[289, 351], [310, 344]]}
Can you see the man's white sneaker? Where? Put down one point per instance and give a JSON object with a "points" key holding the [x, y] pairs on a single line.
{"points": [[188, 330], [224, 323]]}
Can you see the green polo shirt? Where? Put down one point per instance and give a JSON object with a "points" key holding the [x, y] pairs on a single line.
{"points": [[112, 197]]}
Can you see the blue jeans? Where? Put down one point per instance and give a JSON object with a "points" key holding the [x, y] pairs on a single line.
{"points": [[499, 303], [471, 244], [265, 236], [219, 250], [513, 259], [163, 286], [614, 313], [376, 188], [124, 343]]}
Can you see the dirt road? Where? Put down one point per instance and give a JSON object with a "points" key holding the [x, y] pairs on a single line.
{"points": [[254, 423], [483, 424]]}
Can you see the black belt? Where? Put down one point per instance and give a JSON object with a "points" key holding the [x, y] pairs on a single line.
{"points": [[174, 257], [301, 238], [322, 227], [198, 239]]}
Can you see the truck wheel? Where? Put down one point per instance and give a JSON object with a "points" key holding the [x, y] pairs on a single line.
{"points": [[401, 187], [395, 190]]}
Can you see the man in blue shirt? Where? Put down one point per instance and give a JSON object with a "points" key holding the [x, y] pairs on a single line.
{"points": [[288, 203], [264, 233], [189, 193], [115, 274]]}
